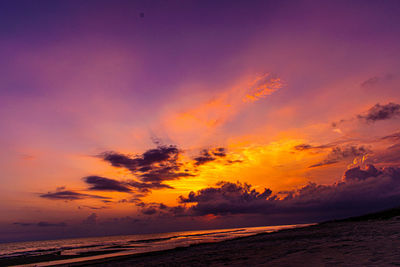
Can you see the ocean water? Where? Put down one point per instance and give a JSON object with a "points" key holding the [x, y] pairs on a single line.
{"points": [[110, 246]]}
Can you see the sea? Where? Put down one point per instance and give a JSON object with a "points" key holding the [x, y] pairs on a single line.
{"points": [[94, 248]]}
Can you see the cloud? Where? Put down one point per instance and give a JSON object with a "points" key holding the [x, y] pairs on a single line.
{"points": [[216, 110], [91, 219], [98, 183], [377, 80], [381, 112], [150, 208], [209, 155], [24, 224], [227, 198], [263, 86], [161, 154], [146, 187], [392, 137], [357, 173], [149, 211], [376, 113], [47, 224], [371, 81], [386, 157], [360, 190], [105, 184], [303, 147], [69, 195], [153, 166], [338, 154], [42, 224], [92, 208]]}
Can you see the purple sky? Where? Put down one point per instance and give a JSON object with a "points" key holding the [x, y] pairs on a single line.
{"points": [[113, 112]]}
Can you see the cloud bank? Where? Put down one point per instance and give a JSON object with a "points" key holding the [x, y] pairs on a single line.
{"points": [[359, 191]]}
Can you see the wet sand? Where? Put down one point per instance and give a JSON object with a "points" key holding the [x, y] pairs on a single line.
{"points": [[352, 242]]}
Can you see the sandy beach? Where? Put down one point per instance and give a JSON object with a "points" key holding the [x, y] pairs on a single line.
{"points": [[355, 242]]}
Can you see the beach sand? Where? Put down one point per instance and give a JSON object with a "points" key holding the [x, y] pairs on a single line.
{"points": [[360, 242]]}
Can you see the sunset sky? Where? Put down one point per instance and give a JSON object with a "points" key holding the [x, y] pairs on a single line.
{"points": [[123, 117]]}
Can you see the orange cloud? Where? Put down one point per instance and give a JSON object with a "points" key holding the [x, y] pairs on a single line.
{"points": [[202, 117], [263, 86]]}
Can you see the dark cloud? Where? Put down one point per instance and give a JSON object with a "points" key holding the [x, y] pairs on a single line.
{"points": [[371, 81], [357, 173], [219, 152], [324, 163], [163, 206], [105, 184], [360, 190], [153, 166], [338, 154], [227, 198], [151, 169], [69, 195], [178, 211], [209, 155], [92, 207], [42, 224], [377, 80], [151, 208], [147, 187], [204, 158], [228, 162], [317, 148], [302, 147], [91, 219], [149, 211], [99, 183], [160, 174], [135, 200], [24, 224], [160, 155], [376, 113], [47, 224], [381, 112], [392, 137]]}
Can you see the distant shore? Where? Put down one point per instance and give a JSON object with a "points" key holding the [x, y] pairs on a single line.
{"points": [[370, 240]]}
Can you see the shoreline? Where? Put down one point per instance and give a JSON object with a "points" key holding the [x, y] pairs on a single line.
{"points": [[372, 239], [100, 259], [111, 251]]}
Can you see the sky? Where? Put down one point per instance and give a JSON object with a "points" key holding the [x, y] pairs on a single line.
{"points": [[124, 117]]}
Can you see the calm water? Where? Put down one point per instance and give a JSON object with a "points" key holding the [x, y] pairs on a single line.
{"points": [[127, 244]]}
